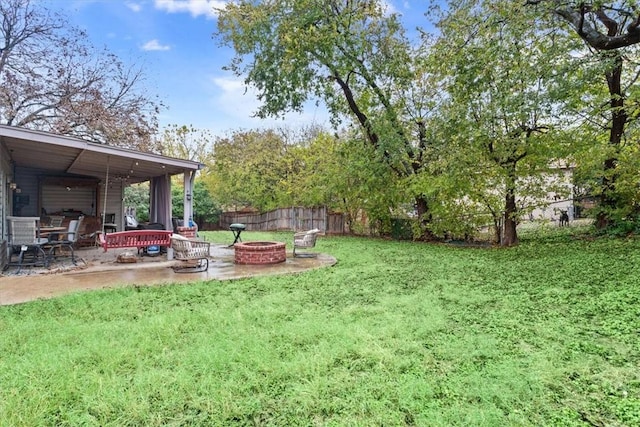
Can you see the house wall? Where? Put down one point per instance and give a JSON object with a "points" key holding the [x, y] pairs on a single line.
{"points": [[57, 198], [114, 203], [556, 201], [39, 190], [552, 212], [25, 199], [5, 203]]}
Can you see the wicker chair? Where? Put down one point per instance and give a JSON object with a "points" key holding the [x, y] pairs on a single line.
{"points": [[194, 254], [305, 240]]}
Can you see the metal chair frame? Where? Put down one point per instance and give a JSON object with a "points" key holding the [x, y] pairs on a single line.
{"points": [[23, 240], [109, 223], [190, 250], [305, 240], [67, 244]]}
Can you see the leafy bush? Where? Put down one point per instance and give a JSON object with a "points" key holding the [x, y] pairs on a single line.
{"points": [[206, 210]]}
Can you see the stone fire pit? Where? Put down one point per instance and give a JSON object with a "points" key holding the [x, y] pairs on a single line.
{"points": [[260, 252]]}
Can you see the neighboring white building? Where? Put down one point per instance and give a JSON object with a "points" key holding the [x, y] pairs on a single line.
{"points": [[559, 200]]}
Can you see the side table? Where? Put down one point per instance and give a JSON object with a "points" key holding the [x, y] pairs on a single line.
{"points": [[236, 229]]}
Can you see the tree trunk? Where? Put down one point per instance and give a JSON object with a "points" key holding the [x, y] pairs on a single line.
{"points": [[422, 208], [510, 236], [608, 199], [497, 224]]}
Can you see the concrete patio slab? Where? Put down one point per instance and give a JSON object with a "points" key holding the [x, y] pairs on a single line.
{"points": [[99, 270]]}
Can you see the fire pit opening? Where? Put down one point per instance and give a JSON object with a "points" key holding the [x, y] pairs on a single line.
{"points": [[260, 252]]}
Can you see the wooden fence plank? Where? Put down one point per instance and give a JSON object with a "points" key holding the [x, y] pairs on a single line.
{"points": [[293, 218]]}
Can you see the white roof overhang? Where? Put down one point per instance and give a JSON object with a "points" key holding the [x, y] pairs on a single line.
{"points": [[67, 155]]}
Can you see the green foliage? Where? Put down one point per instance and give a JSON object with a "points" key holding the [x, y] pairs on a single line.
{"points": [[367, 187], [353, 56], [498, 66], [259, 169], [248, 169], [285, 49], [204, 206], [610, 50], [315, 171], [396, 333], [467, 123], [589, 175], [137, 196], [186, 142]]}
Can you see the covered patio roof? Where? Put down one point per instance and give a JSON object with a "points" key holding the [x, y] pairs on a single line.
{"points": [[63, 154]]}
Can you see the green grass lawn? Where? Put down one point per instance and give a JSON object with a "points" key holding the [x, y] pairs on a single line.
{"points": [[397, 333]]}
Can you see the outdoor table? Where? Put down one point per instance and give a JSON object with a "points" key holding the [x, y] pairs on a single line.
{"points": [[236, 229], [46, 231], [53, 235]]}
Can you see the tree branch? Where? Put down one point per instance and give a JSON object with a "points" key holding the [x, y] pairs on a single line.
{"points": [[575, 14]]}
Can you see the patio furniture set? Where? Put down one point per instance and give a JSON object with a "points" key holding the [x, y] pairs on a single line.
{"points": [[36, 245], [301, 240]]}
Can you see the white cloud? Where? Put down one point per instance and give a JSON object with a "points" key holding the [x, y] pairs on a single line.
{"points": [[388, 8], [224, 104], [239, 103], [235, 97], [135, 7], [194, 7], [155, 45]]}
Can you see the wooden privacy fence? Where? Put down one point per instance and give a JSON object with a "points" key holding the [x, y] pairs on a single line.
{"points": [[294, 218]]}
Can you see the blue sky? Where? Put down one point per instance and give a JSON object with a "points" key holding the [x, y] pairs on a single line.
{"points": [[173, 41]]}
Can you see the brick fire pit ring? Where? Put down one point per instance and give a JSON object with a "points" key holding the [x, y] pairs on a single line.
{"points": [[259, 253]]}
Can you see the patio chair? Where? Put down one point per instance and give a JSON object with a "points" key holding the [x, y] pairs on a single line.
{"points": [[305, 240], [64, 246], [193, 253], [109, 223], [23, 240]]}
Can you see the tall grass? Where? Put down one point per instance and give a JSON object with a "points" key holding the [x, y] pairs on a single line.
{"points": [[396, 333]]}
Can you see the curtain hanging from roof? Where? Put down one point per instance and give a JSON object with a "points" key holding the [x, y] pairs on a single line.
{"points": [[106, 190], [160, 203]]}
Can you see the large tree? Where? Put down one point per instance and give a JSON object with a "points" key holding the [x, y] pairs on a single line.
{"points": [[611, 31], [269, 169], [248, 168], [52, 79], [186, 142], [501, 72], [352, 55]]}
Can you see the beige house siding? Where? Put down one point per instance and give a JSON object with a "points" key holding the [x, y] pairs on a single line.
{"points": [[556, 202]]}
